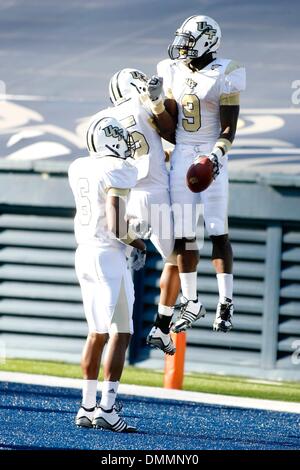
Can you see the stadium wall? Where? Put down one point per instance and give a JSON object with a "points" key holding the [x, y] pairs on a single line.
{"points": [[41, 315]]}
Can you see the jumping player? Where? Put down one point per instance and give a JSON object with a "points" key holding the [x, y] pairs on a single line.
{"points": [[202, 96], [149, 201]]}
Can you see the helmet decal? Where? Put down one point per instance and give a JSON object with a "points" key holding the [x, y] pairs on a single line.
{"points": [[108, 137], [206, 29], [114, 132]]}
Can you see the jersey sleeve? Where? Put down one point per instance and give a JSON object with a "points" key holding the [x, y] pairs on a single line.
{"points": [[122, 176], [233, 81], [164, 70]]}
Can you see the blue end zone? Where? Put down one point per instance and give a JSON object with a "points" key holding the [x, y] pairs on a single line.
{"points": [[36, 417]]}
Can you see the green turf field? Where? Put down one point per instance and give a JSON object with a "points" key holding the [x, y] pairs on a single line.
{"points": [[287, 391]]}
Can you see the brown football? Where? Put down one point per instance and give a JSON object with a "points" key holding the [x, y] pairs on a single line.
{"points": [[200, 175]]}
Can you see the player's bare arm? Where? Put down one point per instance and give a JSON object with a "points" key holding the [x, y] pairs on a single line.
{"points": [[229, 115], [116, 218], [166, 121]]}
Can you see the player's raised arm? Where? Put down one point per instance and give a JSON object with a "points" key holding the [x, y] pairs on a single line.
{"points": [[165, 111]]}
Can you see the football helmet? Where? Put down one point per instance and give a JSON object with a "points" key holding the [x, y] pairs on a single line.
{"points": [[198, 35], [107, 137], [126, 84]]}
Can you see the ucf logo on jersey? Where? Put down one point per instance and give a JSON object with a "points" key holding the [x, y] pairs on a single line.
{"points": [[191, 83], [116, 132]]}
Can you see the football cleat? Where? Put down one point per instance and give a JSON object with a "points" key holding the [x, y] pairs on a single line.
{"points": [[190, 311], [110, 420], [85, 417], [118, 406], [224, 314], [160, 340]]}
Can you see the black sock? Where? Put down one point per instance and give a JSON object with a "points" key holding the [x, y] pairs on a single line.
{"points": [[163, 322]]}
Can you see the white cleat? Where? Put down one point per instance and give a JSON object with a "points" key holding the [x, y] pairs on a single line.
{"points": [[190, 311], [85, 417], [110, 420], [160, 340], [224, 314]]}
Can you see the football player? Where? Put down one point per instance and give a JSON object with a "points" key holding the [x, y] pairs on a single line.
{"points": [[100, 184], [149, 201], [202, 96]]}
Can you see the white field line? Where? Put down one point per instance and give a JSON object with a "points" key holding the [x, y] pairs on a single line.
{"points": [[270, 110], [25, 97], [263, 151], [156, 392], [10, 97]]}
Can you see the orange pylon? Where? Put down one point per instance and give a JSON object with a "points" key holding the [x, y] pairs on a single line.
{"points": [[174, 365]]}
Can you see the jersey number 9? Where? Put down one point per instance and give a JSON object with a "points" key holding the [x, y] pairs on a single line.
{"points": [[192, 112]]}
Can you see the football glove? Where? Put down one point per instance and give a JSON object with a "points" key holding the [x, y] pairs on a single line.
{"points": [[217, 165], [141, 228], [137, 259], [215, 161], [155, 87]]}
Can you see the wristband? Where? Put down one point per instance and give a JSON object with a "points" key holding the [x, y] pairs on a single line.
{"points": [[222, 146], [127, 240], [217, 152], [157, 107]]}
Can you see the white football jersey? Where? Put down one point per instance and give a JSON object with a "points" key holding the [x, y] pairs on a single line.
{"points": [[149, 157], [198, 96], [90, 178]]}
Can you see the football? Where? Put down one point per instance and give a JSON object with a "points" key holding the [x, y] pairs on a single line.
{"points": [[200, 175]]}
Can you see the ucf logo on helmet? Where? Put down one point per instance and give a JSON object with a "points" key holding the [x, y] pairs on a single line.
{"points": [[202, 25], [138, 75], [115, 132]]}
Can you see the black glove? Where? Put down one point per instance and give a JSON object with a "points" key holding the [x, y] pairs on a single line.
{"points": [[216, 165]]}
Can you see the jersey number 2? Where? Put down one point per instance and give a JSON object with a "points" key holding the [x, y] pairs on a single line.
{"points": [[141, 144], [84, 204], [192, 112]]}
